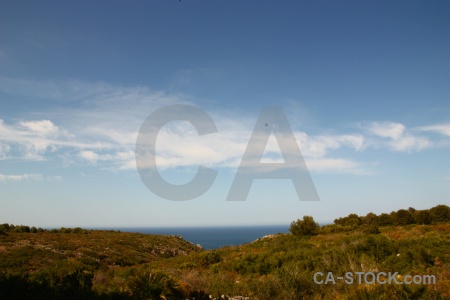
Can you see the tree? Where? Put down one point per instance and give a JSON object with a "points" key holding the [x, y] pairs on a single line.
{"points": [[384, 219], [370, 219], [304, 227], [422, 217], [350, 220], [440, 213], [403, 217]]}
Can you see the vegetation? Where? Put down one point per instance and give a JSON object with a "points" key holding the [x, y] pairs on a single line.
{"points": [[305, 227], [92, 264]]}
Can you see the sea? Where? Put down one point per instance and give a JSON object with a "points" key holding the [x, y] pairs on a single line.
{"points": [[214, 237]]}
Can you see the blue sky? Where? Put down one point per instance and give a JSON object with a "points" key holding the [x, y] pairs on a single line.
{"points": [[364, 86]]}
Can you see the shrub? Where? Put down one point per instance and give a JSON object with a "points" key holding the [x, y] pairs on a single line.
{"points": [[385, 219], [295, 283], [440, 213], [373, 229], [304, 227], [402, 217], [350, 220], [422, 217], [370, 219], [210, 258], [150, 284]]}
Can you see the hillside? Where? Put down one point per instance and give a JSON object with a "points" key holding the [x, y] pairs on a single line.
{"points": [[63, 262], [283, 266], [28, 252], [84, 264]]}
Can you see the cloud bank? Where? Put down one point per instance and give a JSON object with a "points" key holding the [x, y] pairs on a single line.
{"points": [[101, 126]]}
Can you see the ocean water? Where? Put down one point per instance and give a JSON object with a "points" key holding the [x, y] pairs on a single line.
{"points": [[214, 237]]}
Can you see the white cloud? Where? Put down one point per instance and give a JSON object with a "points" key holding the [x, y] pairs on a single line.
{"points": [[29, 177], [387, 129], [338, 165], [90, 156], [34, 177], [439, 128], [410, 143], [101, 127], [41, 128], [122, 160], [318, 146], [181, 146], [178, 144], [34, 139], [395, 136]]}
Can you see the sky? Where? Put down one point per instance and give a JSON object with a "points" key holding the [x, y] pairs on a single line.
{"points": [[364, 86]]}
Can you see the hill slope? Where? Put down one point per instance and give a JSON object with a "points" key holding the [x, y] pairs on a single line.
{"points": [[29, 252], [82, 264]]}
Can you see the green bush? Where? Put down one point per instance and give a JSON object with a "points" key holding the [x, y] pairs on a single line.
{"points": [[385, 220], [295, 283], [152, 284], [210, 258], [305, 227], [350, 220], [422, 217], [440, 213], [373, 229], [402, 217]]}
